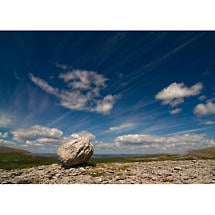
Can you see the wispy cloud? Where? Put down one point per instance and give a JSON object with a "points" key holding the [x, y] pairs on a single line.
{"points": [[83, 91], [121, 128], [63, 66], [151, 64], [207, 122], [173, 51], [188, 131], [5, 120], [44, 85], [175, 111]]}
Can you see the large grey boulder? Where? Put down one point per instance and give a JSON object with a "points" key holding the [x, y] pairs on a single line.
{"points": [[75, 152]]}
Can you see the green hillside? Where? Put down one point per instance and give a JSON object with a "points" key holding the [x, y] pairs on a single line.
{"points": [[12, 158], [207, 153]]}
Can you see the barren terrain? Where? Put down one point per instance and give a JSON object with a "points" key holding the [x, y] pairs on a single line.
{"points": [[173, 172]]}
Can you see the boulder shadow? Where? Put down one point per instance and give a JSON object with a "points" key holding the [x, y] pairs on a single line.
{"points": [[86, 164]]}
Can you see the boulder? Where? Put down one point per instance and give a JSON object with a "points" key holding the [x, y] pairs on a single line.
{"points": [[75, 152]]}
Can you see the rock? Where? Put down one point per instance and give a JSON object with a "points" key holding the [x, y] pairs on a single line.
{"points": [[120, 177], [177, 168], [24, 181], [75, 153]]}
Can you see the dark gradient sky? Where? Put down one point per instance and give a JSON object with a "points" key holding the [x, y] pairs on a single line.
{"points": [[130, 92]]}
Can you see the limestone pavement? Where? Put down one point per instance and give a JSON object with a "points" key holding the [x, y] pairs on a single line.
{"points": [[155, 172]]}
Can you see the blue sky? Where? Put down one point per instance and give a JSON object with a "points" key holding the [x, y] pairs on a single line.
{"points": [[129, 92]]}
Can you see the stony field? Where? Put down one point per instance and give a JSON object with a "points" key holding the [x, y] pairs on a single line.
{"points": [[171, 172]]}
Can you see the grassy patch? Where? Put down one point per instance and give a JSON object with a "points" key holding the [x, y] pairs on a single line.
{"points": [[135, 159], [11, 158], [17, 160]]}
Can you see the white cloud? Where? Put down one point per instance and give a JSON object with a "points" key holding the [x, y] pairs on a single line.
{"points": [[82, 79], [3, 135], [138, 139], [172, 143], [99, 146], [122, 127], [205, 109], [175, 111], [105, 105], [83, 91], [24, 134], [82, 134], [6, 142], [5, 120], [175, 93], [44, 137], [41, 138]]}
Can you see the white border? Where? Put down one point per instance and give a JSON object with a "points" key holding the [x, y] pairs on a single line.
{"points": [[107, 199], [107, 15]]}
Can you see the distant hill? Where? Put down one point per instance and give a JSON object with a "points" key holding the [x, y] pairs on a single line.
{"points": [[13, 158], [5, 149], [201, 153]]}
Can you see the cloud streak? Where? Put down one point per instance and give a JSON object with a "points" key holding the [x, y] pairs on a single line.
{"points": [[122, 127]]}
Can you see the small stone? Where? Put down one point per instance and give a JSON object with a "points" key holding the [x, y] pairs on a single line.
{"points": [[110, 171], [177, 168], [6, 182], [24, 181], [82, 169], [40, 167], [119, 178]]}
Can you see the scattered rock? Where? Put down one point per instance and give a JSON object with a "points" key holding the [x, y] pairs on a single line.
{"points": [[75, 153], [202, 171]]}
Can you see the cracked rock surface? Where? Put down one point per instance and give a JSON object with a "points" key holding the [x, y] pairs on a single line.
{"points": [[155, 172]]}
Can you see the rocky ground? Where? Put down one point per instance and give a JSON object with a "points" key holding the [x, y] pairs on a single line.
{"points": [[173, 172]]}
